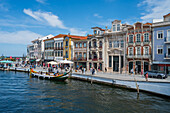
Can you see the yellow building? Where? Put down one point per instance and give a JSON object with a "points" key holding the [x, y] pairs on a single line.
{"points": [[68, 45]]}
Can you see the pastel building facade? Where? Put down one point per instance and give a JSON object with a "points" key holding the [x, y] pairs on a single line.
{"points": [[161, 45], [115, 49], [80, 53], [96, 49], [35, 51], [139, 46], [68, 45]]}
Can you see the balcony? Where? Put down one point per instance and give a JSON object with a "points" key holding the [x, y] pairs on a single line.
{"points": [[58, 48], [139, 56], [80, 59], [49, 48], [146, 56], [146, 42], [130, 56], [94, 48], [100, 47], [138, 43], [94, 59], [130, 43], [100, 58], [167, 40]]}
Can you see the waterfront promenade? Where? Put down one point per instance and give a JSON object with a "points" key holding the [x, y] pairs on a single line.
{"points": [[107, 75]]}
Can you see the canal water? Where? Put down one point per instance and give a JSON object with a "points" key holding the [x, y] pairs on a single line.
{"points": [[20, 93]]}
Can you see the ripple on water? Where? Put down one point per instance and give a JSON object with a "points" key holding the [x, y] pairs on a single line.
{"points": [[20, 93]]}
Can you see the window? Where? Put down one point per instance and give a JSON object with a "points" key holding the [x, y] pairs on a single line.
{"points": [[138, 38], [80, 45], [58, 53], [100, 54], [76, 45], [100, 44], [130, 38], [89, 44], [84, 44], [118, 27], [89, 55], [84, 55], [94, 44], [159, 49], [168, 36], [62, 44], [110, 61], [66, 54], [138, 51], [110, 44], [146, 50], [56, 45], [168, 51], [98, 32], [61, 53], [80, 55], [116, 44], [130, 51], [66, 42], [122, 43], [95, 32], [160, 34], [76, 55], [146, 37], [114, 27]]}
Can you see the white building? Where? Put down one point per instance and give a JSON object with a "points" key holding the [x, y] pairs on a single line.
{"points": [[35, 51]]}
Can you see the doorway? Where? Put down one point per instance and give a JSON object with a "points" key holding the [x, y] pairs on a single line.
{"points": [[146, 66], [138, 67], [116, 63], [130, 66]]}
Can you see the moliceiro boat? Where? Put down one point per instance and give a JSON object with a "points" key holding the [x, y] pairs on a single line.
{"points": [[50, 76]]}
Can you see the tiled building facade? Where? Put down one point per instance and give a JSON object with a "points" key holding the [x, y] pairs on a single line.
{"points": [[161, 45], [139, 48], [95, 49]]}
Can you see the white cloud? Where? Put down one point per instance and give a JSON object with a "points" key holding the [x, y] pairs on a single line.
{"points": [[19, 37], [41, 1], [48, 17], [52, 20], [154, 9], [97, 15]]}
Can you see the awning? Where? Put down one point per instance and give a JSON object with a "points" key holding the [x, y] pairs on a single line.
{"points": [[52, 63], [38, 60], [6, 61], [66, 62], [157, 62]]}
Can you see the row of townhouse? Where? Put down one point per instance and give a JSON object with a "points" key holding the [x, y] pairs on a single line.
{"points": [[120, 49]]}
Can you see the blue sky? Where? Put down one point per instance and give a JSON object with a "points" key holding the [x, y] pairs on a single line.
{"points": [[24, 20]]}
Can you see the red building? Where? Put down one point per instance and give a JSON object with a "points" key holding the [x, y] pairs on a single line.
{"points": [[139, 47]]}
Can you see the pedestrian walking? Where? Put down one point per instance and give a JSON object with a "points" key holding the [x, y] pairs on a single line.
{"points": [[146, 76]]}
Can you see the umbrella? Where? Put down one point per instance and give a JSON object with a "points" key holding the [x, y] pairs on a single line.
{"points": [[6, 61], [52, 63], [66, 61]]}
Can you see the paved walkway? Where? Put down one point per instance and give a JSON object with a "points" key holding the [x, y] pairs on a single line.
{"points": [[124, 77], [114, 76]]}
